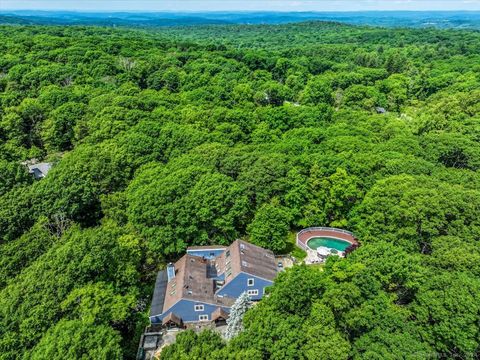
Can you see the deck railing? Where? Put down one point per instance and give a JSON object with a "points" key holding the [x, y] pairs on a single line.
{"points": [[320, 228]]}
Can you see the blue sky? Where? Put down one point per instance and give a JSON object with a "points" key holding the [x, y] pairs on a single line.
{"points": [[246, 5]]}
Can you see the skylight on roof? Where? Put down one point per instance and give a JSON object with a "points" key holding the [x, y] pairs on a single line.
{"points": [[244, 263]]}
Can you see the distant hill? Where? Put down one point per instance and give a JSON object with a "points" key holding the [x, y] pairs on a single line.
{"points": [[439, 19]]}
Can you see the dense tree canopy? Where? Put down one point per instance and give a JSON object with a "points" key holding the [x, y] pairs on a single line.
{"points": [[162, 139]]}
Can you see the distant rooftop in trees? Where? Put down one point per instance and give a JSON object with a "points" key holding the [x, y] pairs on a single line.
{"points": [[39, 170]]}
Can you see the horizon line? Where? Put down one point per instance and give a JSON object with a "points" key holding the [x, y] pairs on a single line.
{"points": [[234, 11]]}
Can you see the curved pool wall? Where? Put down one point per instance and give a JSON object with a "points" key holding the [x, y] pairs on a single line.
{"points": [[328, 242], [305, 235]]}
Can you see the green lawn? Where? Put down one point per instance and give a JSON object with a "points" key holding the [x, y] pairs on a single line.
{"points": [[292, 247]]}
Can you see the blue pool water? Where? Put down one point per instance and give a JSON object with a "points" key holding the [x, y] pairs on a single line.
{"points": [[328, 242]]}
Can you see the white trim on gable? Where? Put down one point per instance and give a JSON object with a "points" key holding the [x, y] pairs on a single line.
{"points": [[245, 273], [259, 277]]}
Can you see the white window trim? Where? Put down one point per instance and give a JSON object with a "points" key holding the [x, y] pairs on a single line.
{"points": [[203, 317], [251, 282], [199, 307], [253, 292]]}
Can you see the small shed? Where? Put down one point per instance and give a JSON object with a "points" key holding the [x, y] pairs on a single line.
{"points": [[151, 341], [172, 321]]}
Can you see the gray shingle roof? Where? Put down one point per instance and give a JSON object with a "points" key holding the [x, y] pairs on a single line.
{"points": [[191, 283], [253, 260], [159, 293]]}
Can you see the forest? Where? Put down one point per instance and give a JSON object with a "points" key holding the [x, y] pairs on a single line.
{"points": [[165, 138], [396, 19]]}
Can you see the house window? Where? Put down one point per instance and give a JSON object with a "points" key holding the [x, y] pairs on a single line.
{"points": [[252, 292], [251, 282], [199, 308], [203, 318]]}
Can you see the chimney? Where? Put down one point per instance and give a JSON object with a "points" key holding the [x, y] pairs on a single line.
{"points": [[170, 271]]}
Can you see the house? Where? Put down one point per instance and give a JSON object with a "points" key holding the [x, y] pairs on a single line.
{"points": [[39, 170], [203, 285]]}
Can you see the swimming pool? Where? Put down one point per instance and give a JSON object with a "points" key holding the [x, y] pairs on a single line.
{"points": [[328, 242]]}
